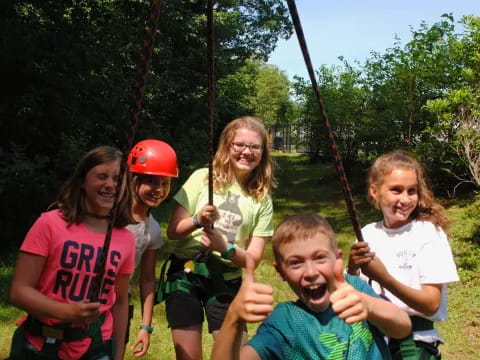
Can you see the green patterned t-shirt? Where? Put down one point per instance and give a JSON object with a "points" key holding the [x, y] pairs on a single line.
{"points": [[294, 332]]}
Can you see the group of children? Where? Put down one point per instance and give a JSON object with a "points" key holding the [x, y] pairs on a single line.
{"points": [[405, 258]]}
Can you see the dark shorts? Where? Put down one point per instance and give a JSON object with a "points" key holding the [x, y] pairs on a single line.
{"points": [[207, 297], [184, 309]]}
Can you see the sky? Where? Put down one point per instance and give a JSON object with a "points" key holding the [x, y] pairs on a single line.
{"points": [[354, 28]]}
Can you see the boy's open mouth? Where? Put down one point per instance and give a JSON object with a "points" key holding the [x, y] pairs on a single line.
{"points": [[315, 292]]}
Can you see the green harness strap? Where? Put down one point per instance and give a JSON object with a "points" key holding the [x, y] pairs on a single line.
{"points": [[408, 349], [208, 267]]}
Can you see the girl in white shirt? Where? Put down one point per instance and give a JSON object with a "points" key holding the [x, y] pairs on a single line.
{"points": [[407, 257]]}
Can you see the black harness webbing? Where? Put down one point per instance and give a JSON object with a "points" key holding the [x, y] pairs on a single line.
{"points": [[55, 335]]}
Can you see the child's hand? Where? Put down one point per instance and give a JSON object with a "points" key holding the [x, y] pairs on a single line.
{"points": [[254, 301], [207, 215], [376, 270], [141, 343], [347, 302], [213, 240], [84, 312], [360, 255]]}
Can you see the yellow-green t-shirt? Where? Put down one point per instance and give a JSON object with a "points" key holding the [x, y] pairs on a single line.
{"points": [[241, 216]]}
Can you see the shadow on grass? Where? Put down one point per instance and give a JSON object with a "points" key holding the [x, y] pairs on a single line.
{"points": [[307, 187]]}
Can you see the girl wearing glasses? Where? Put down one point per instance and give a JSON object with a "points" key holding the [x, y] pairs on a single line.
{"points": [[212, 241]]}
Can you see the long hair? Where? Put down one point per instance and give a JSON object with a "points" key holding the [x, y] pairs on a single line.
{"points": [[71, 197], [261, 180], [427, 208]]}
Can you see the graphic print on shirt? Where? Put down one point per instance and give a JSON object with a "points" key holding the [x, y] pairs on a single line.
{"points": [[405, 259], [74, 279], [357, 345], [230, 217]]}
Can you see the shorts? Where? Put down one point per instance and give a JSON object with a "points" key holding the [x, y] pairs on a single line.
{"points": [[184, 309], [206, 296]]}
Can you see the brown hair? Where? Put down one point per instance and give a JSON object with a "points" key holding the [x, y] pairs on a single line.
{"points": [[261, 179], [427, 209], [71, 197], [302, 226]]}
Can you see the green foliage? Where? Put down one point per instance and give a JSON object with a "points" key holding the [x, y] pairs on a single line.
{"points": [[68, 70], [272, 95], [422, 97]]}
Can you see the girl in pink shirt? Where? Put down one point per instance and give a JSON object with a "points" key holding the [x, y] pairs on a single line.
{"points": [[56, 267]]}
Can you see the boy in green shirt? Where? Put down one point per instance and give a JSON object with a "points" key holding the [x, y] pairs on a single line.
{"points": [[334, 317]]}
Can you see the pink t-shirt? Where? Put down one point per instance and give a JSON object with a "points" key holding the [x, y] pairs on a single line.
{"points": [[71, 254]]}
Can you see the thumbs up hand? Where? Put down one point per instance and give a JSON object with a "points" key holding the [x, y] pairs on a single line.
{"points": [[348, 303], [254, 301]]}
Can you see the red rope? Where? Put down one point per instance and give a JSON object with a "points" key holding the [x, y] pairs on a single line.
{"points": [[211, 94], [133, 116], [331, 139]]}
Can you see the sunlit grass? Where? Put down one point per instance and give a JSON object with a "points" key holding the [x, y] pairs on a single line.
{"points": [[309, 187]]}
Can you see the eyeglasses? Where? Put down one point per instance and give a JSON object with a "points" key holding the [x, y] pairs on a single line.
{"points": [[240, 147]]}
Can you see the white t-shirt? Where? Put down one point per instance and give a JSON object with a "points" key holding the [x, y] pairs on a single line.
{"points": [[148, 236], [414, 254]]}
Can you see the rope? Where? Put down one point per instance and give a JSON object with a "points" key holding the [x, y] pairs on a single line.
{"points": [[211, 97], [133, 116], [331, 139]]}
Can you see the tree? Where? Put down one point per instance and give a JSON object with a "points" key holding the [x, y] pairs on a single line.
{"points": [[458, 125], [68, 69]]}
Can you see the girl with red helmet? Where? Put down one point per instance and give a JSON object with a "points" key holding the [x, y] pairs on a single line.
{"points": [[153, 164]]}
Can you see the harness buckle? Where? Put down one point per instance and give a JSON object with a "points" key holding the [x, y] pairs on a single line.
{"points": [[51, 332], [189, 266]]}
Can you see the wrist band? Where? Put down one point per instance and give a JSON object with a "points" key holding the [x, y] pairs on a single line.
{"points": [[196, 222], [146, 327]]}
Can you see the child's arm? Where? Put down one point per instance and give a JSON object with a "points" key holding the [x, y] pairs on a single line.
{"points": [[24, 294], [212, 239], [147, 295], [426, 300], [253, 303], [120, 314], [182, 223], [352, 306]]}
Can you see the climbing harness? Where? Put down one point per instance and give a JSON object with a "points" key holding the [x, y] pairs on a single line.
{"points": [[54, 336], [205, 270]]}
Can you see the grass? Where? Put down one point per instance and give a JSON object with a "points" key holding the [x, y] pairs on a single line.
{"points": [[314, 187]]}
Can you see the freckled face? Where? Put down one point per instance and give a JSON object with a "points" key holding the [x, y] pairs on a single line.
{"points": [[244, 162], [99, 186], [308, 265], [153, 190], [397, 197]]}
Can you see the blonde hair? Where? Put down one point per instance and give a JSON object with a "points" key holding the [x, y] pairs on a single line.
{"points": [[427, 208], [302, 226], [260, 181]]}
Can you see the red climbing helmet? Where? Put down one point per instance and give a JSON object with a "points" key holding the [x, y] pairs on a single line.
{"points": [[153, 157]]}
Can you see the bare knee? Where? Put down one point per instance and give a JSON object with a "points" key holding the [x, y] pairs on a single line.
{"points": [[188, 342]]}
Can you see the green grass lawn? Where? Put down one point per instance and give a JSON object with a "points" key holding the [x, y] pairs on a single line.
{"points": [[314, 188]]}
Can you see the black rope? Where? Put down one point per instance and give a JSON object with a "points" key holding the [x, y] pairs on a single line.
{"points": [[331, 139], [211, 95], [133, 116]]}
